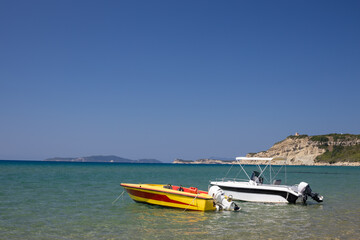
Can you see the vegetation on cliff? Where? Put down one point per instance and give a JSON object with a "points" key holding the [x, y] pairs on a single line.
{"points": [[340, 154], [339, 147], [335, 137]]}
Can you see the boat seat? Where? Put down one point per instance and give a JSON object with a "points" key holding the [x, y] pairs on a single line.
{"points": [[193, 190], [261, 180], [168, 186], [255, 175], [277, 182]]}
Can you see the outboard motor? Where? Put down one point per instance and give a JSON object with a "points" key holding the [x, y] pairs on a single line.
{"points": [[222, 201], [305, 190]]}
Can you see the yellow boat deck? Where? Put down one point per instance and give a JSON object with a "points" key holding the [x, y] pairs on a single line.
{"points": [[170, 196]]}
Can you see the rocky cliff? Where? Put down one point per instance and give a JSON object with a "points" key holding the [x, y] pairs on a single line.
{"points": [[304, 150], [335, 149]]}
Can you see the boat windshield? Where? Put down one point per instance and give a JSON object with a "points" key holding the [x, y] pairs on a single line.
{"points": [[265, 170]]}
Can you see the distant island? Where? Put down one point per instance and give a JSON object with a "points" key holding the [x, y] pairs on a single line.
{"points": [[203, 161], [100, 158], [329, 149]]}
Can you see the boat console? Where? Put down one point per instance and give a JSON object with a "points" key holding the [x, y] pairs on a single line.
{"points": [[255, 177]]}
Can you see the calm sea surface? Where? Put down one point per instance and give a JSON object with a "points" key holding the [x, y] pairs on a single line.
{"points": [[41, 200]]}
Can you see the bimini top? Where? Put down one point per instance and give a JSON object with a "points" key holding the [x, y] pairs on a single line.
{"points": [[260, 159]]}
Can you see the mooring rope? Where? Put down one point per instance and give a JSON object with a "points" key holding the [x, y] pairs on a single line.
{"points": [[118, 197], [191, 202]]}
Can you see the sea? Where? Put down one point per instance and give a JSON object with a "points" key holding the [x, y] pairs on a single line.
{"points": [[67, 200]]}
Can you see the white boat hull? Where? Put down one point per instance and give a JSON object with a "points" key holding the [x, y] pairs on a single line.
{"points": [[245, 191], [250, 197]]}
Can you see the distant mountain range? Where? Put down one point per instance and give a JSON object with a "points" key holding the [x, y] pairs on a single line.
{"points": [[100, 158]]}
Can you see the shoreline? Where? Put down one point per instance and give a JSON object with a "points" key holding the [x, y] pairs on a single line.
{"points": [[220, 162], [337, 164]]}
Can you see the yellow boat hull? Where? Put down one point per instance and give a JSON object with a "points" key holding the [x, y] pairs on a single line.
{"points": [[161, 195]]}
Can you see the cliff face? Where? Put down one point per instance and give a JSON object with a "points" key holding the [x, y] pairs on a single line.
{"points": [[331, 149], [303, 150], [297, 151]]}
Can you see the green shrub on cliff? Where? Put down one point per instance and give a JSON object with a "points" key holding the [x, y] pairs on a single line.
{"points": [[319, 138], [341, 154], [297, 136]]}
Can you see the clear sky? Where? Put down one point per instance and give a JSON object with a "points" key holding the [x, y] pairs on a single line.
{"points": [[174, 79]]}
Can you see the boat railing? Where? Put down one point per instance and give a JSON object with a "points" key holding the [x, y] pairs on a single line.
{"points": [[231, 180]]}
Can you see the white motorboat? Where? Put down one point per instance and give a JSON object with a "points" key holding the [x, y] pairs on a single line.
{"points": [[255, 189]]}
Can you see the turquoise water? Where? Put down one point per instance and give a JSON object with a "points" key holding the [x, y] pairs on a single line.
{"points": [[40, 200]]}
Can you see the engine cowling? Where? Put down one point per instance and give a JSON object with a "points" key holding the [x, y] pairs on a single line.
{"points": [[306, 191], [222, 202]]}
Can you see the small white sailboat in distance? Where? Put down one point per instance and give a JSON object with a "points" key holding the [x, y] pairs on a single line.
{"points": [[255, 189]]}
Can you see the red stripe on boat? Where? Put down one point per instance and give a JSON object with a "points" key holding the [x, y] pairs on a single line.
{"points": [[154, 196]]}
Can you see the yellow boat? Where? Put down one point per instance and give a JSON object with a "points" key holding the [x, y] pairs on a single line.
{"points": [[171, 196]]}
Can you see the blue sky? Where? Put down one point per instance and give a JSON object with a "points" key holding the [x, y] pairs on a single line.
{"points": [[174, 79]]}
